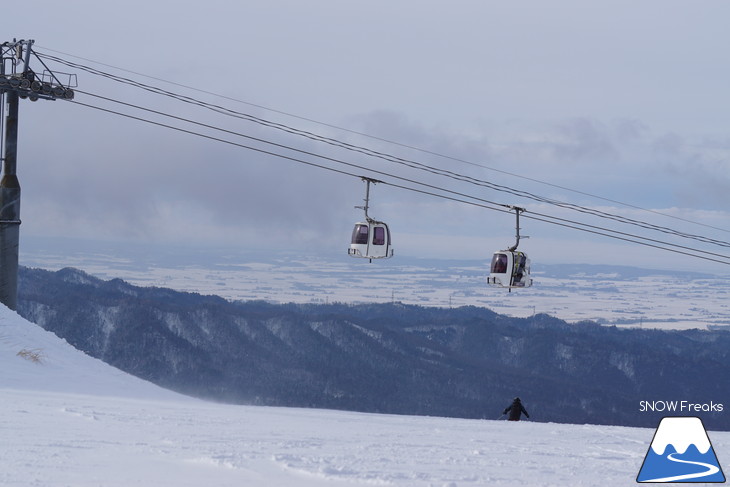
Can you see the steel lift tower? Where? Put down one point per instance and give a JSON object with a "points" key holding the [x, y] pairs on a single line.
{"points": [[18, 81]]}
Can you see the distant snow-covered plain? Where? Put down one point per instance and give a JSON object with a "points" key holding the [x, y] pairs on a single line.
{"points": [[70, 420], [623, 296]]}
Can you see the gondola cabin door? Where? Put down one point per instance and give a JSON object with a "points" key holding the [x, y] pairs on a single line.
{"points": [[371, 240]]}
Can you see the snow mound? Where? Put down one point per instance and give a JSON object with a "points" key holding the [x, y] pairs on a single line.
{"points": [[32, 358]]}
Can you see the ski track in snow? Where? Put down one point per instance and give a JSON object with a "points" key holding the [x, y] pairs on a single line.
{"points": [[85, 440]]}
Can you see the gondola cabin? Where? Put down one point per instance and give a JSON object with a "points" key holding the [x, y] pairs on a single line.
{"points": [[510, 269], [371, 240]]}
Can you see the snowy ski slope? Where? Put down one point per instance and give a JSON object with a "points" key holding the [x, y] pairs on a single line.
{"points": [[70, 420]]}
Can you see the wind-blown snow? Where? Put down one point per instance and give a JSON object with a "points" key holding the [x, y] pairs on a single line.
{"points": [[70, 420], [38, 360]]}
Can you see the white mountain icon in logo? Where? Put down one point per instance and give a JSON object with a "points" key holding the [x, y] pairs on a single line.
{"points": [[680, 452]]}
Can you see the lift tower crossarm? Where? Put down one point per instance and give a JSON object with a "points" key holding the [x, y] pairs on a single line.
{"points": [[17, 80]]}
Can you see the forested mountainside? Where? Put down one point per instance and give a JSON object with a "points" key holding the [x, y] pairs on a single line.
{"points": [[387, 358]]}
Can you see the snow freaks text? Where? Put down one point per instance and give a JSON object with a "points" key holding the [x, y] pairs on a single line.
{"points": [[679, 407]]}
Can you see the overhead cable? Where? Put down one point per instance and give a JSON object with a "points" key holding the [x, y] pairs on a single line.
{"points": [[396, 143], [452, 175], [457, 196]]}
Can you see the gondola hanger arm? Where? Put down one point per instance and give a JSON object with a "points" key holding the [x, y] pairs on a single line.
{"points": [[518, 210]]}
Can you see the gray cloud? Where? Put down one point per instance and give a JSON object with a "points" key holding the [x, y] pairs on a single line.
{"points": [[531, 91]]}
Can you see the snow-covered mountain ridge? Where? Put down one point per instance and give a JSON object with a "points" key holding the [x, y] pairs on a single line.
{"points": [[68, 419], [386, 358], [609, 294]]}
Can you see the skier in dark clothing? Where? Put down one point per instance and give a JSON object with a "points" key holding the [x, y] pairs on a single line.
{"points": [[515, 410]]}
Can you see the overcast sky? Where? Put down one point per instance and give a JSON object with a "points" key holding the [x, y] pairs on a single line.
{"points": [[565, 99]]}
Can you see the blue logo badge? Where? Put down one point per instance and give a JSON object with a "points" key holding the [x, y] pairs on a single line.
{"points": [[681, 452]]}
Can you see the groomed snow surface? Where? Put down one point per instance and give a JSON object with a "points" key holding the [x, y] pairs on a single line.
{"points": [[70, 420]]}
